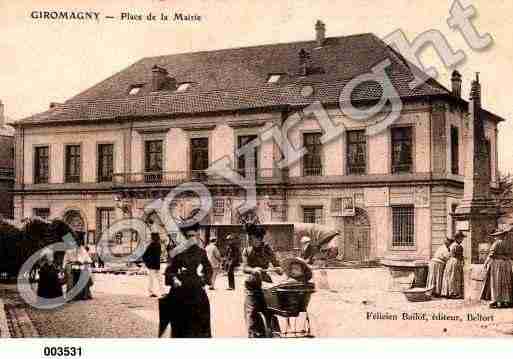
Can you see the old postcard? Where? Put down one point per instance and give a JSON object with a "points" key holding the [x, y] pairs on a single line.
{"points": [[255, 169]]}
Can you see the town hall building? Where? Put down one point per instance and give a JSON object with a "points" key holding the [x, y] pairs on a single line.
{"points": [[163, 121]]}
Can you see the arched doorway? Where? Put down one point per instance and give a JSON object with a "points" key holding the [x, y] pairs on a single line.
{"points": [[357, 237], [74, 219]]}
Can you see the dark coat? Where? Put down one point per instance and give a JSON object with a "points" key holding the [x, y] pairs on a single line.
{"points": [[232, 256], [49, 286], [151, 257], [188, 307]]}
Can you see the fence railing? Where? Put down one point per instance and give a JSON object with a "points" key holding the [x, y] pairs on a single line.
{"points": [[175, 178]]}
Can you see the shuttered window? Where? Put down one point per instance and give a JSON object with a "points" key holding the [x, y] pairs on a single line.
{"points": [[41, 164], [356, 152], [73, 164], [105, 162], [402, 145], [312, 160]]}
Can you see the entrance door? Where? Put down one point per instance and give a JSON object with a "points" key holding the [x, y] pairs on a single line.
{"points": [[357, 237]]}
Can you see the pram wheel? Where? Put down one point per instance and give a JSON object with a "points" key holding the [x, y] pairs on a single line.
{"points": [[270, 325]]}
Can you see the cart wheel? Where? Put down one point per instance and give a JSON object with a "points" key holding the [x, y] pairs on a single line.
{"points": [[275, 327]]}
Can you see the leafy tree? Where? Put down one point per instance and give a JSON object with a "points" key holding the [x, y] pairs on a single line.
{"points": [[504, 196]]}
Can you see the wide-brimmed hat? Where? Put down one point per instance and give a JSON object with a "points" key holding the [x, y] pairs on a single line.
{"points": [[287, 263], [500, 231]]}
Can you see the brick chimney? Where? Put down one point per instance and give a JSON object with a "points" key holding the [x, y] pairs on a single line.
{"points": [[456, 83], [304, 62], [2, 115], [159, 78], [320, 33]]}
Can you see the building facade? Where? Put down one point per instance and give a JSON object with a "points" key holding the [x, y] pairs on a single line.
{"points": [[164, 121], [6, 166]]}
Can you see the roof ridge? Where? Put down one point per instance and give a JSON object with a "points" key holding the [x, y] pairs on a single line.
{"points": [[256, 46]]}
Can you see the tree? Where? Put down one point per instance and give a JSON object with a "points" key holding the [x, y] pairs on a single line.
{"points": [[504, 197]]}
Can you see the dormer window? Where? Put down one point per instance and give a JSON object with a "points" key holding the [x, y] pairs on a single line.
{"points": [[134, 90], [273, 78], [183, 87]]}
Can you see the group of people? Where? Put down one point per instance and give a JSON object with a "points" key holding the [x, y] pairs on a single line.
{"points": [[191, 268], [445, 275], [153, 254], [76, 262]]}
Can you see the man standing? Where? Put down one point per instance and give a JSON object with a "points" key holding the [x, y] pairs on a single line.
{"points": [[151, 259], [255, 261], [215, 259], [233, 256]]}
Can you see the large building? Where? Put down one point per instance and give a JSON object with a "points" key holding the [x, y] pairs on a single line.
{"points": [[6, 166], [164, 120]]}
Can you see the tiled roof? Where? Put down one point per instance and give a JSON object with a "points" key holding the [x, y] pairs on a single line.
{"points": [[236, 79]]}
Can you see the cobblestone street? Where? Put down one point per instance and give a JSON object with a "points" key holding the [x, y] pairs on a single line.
{"points": [[122, 308]]}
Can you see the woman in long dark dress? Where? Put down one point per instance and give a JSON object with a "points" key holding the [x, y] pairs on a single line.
{"points": [[498, 284], [49, 286], [187, 300]]}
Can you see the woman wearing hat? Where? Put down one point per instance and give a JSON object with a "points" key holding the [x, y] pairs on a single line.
{"points": [[232, 260], [498, 284], [187, 300], [255, 261], [437, 267], [452, 283]]}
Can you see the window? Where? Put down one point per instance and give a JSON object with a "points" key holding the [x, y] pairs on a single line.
{"points": [[403, 223], [402, 149], [252, 156], [41, 161], [199, 157], [273, 78], [356, 152], [104, 219], [455, 148], [312, 160], [73, 164], [43, 213], [153, 161], [183, 87], [219, 206], [105, 162], [134, 90], [312, 215]]}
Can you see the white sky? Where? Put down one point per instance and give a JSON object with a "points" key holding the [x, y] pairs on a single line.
{"points": [[50, 61]]}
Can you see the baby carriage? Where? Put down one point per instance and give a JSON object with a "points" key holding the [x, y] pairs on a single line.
{"points": [[289, 300]]}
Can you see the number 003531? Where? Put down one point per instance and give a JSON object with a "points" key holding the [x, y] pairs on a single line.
{"points": [[62, 351]]}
